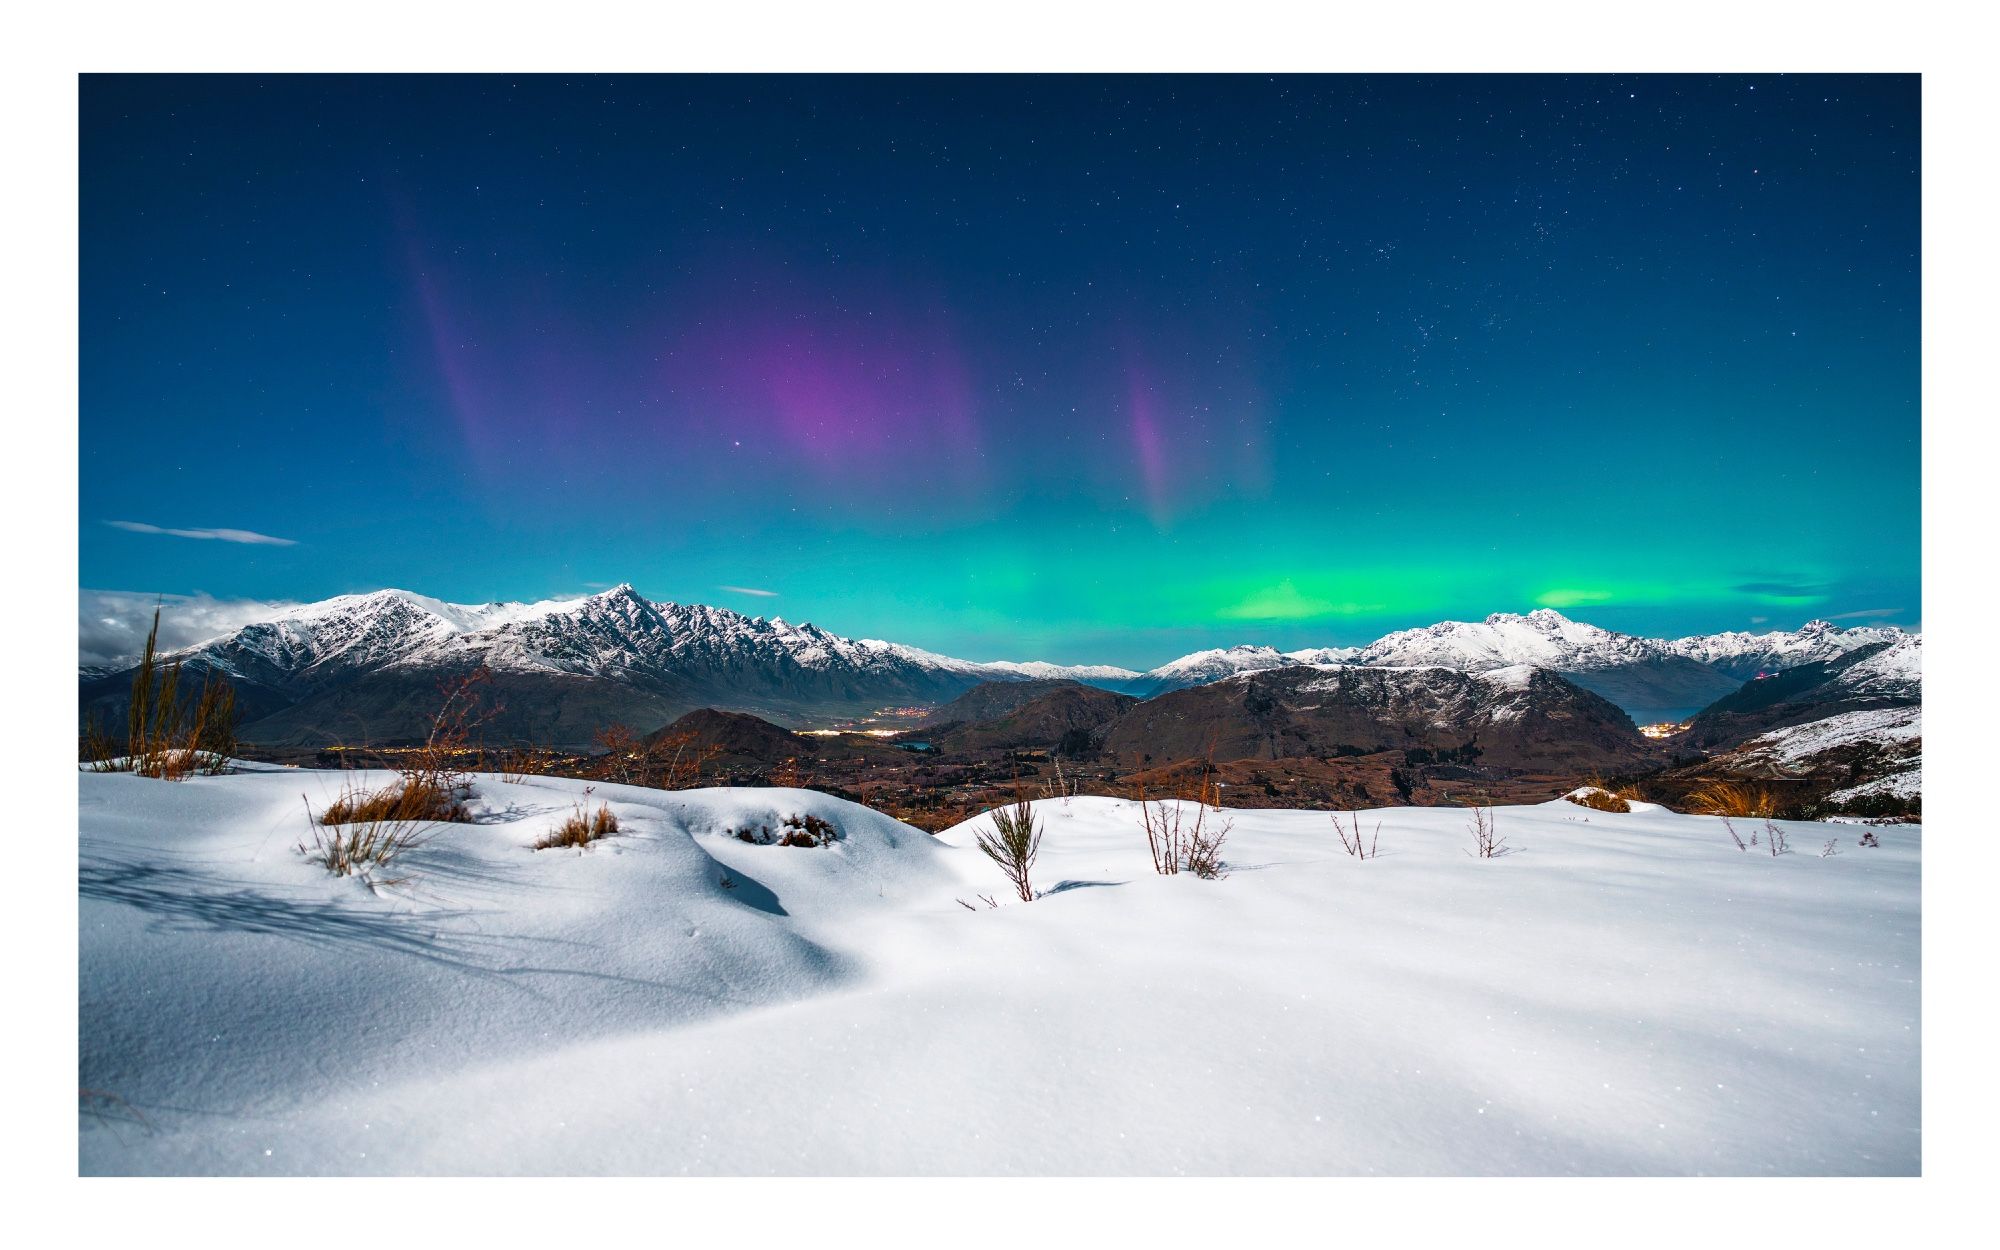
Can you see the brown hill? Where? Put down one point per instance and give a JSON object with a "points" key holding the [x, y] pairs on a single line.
{"points": [[1518, 718], [1064, 715], [742, 738]]}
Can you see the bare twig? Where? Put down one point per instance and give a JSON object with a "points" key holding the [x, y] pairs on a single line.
{"points": [[1350, 839]]}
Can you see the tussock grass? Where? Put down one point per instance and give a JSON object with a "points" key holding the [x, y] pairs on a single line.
{"points": [[363, 844], [409, 798], [580, 829], [166, 736], [373, 828], [1732, 798]]}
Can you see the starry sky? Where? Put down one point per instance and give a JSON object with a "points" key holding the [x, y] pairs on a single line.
{"points": [[1095, 369]]}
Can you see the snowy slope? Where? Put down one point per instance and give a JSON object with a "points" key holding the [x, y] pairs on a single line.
{"points": [[1877, 750], [1799, 744], [1626, 994], [1896, 670]]}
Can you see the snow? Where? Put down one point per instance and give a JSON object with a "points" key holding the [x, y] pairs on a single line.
{"points": [[1513, 677], [1896, 731], [1778, 649], [1895, 669], [1908, 784], [1201, 667], [1623, 994], [1796, 744], [1543, 638]]}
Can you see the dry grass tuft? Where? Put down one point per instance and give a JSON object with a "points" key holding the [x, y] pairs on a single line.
{"points": [[1598, 799], [1732, 798], [580, 829], [412, 797], [361, 845], [166, 736]]}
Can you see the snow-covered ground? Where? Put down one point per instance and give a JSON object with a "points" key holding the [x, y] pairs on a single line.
{"points": [[1622, 994]]}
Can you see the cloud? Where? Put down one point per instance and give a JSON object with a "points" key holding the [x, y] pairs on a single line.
{"points": [[112, 624], [219, 535], [750, 590], [1782, 592], [1865, 614]]}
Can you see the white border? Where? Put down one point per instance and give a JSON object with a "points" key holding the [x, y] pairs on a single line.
{"points": [[48, 47]]}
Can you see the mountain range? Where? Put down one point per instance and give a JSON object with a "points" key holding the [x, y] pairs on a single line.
{"points": [[366, 668]]}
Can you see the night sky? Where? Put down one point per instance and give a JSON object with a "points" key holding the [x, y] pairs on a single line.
{"points": [[1086, 369]]}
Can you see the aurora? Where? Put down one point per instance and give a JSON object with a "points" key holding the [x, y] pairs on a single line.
{"points": [[1096, 369]]}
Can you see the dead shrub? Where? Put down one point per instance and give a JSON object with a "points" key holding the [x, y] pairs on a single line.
{"points": [[1350, 839], [1486, 840], [1177, 842], [664, 761], [518, 764]]}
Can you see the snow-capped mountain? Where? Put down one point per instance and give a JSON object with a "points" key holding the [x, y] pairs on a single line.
{"points": [[1744, 655], [1653, 679], [1202, 667], [615, 630], [363, 667]]}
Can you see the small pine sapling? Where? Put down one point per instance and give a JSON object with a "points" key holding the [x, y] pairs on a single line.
{"points": [[1012, 844]]}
